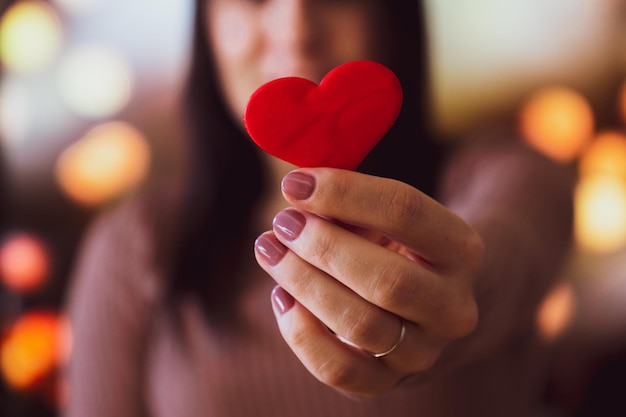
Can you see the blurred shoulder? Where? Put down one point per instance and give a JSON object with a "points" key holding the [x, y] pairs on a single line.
{"points": [[137, 220], [120, 249], [500, 156]]}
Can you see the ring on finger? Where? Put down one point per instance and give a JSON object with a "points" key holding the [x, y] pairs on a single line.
{"points": [[395, 345]]}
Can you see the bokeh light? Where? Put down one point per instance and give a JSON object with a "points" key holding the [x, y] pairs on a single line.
{"points": [[600, 213], [107, 162], [556, 311], [94, 81], [558, 122], [30, 36], [34, 345], [605, 156], [24, 262]]}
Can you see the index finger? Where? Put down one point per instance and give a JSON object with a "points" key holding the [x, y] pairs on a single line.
{"points": [[397, 210]]}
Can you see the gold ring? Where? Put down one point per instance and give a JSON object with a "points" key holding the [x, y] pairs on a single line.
{"points": [[395, 345]]}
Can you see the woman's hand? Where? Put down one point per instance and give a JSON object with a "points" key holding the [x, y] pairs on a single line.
{"points": [[366, 265]]}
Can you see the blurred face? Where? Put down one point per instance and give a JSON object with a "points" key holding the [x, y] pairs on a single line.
{"points": [[255, 41]]}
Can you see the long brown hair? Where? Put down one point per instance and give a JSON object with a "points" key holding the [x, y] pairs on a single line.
{"points": [[227, 177]]}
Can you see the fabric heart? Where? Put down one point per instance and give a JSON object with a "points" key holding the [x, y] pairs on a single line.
{"points": [[335, 124]]}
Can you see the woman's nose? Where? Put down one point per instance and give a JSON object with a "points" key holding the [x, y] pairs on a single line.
{"points": [[292, 26]]}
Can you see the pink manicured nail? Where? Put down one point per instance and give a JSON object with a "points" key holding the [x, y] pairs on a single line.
{"points": [[289, 224], [298, 185], [269, 248], [282, 300]]}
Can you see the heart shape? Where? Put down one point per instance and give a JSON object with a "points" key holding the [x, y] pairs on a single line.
{"points": [[335, 124]]}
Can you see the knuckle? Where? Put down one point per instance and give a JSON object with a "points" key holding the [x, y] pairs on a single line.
{"points": [[474, 247], [298, 338], [322, 250], [340, 376], [425, 360], [416, 367], [359, 327], [395, 285], [469, 321], [300, 282], [400, 205], [431, 359], [463, 319]]}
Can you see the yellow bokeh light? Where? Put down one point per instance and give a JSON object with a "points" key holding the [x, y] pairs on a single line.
{"points": [[24, 262], [600, 213], [30, 36], [558, 122], [556, 311], [33, 346], [94, 81], [606, 155], [109, 161]]}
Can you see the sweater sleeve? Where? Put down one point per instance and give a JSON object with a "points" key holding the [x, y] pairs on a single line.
{"points": [[112, 298], [521, 205]]}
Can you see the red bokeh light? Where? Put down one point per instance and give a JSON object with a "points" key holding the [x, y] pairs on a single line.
{"points": [[24, 262]]}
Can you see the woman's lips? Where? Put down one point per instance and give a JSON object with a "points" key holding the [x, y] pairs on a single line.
{"points": [[278, 69]]}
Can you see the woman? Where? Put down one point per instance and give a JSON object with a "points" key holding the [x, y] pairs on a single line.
{"points": [[421, 308]]}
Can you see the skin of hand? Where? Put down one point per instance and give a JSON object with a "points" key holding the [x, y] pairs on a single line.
{"points": [[357, 256]]}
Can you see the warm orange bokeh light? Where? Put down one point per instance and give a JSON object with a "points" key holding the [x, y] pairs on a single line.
{"points": [[110, 160], [24, 262], [600, 213], [605, 156], [556, 311], [558, 122], [33, 347]]}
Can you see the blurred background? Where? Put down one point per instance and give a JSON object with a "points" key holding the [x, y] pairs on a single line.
{"points": [[89, 94]]}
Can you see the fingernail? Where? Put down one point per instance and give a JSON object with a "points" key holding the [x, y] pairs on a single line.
{"points": [[282, 300], [289, 224], [270, 248], [298, 185]]}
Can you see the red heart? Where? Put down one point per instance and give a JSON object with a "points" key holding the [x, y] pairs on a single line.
{"points": [[335, 124]]}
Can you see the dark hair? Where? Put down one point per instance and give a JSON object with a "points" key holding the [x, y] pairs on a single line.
{"points": [[227, 178]]}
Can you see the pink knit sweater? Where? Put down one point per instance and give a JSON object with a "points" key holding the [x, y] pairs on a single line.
{"points": [[130, 359]]}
